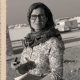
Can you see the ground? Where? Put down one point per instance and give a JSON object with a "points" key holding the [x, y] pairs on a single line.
{"points": [[72, 63]]}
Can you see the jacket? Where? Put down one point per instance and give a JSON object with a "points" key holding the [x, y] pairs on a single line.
{"points": [[46, 57]]}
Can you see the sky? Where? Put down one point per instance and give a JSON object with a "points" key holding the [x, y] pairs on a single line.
{"points": [[17, 9]]}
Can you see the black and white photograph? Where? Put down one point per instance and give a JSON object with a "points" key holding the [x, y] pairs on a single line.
{"points": [[42, 40]]}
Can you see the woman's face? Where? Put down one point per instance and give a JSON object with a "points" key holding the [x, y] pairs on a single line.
{"points": [[38, 19]]}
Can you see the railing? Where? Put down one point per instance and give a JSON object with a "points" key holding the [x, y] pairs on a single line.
{"points": [[17, 44]]}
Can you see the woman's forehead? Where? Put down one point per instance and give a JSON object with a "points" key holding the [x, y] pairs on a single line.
{"points": [[38, 11]]}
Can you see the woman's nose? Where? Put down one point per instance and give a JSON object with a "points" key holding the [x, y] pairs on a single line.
{"points": [[38, 19]]}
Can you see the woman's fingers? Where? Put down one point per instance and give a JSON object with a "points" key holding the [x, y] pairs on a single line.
{"points": [[14, 65]]}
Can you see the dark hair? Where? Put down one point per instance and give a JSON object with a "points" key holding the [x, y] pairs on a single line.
{"points": [[50, 23]]}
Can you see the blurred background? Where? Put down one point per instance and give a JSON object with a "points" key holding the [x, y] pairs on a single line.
{"points": [[17, 9]]}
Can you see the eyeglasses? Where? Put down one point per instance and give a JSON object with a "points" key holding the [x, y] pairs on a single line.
{"points": [[41, 16]]}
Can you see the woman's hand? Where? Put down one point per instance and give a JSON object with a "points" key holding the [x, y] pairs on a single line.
{"points": [[15, 64], [23, 68]]}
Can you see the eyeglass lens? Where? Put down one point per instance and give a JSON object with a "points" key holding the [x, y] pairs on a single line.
{"points": [[33, 17]]}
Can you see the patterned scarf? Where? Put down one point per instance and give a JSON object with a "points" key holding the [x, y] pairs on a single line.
{"points": [[35, 38]]}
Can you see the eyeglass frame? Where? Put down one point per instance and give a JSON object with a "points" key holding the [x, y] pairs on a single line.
{"points": [[40, 16]]}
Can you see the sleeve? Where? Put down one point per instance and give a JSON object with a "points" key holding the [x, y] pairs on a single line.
{"points": [[22, 68], [56, 60], [25, 63], [25, 55]]}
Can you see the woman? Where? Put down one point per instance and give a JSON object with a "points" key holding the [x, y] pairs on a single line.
{"points": [[44, 48]]}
